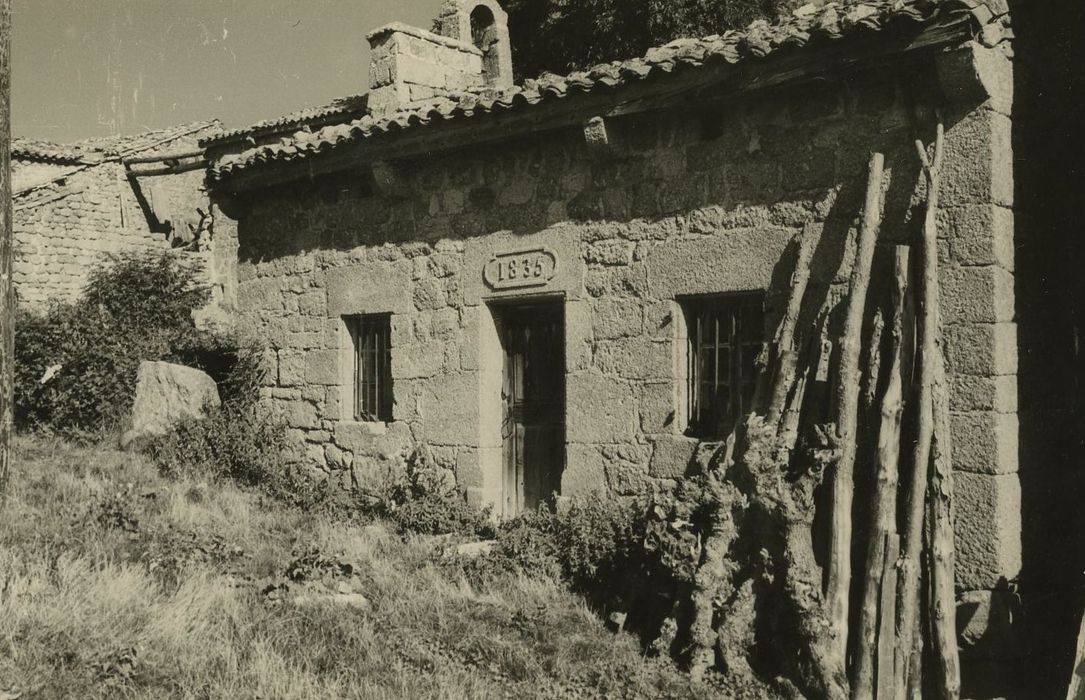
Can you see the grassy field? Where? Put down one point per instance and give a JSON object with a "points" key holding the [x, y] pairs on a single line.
{"points": [[117, 583]]}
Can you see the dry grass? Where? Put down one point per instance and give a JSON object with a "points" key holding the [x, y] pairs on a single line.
{"points": [[102, 595]]}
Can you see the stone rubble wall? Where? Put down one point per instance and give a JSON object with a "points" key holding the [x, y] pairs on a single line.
{"points": [[66, 229], [27, 173], [687, 204]]}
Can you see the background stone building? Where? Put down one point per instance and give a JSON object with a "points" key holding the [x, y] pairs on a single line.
{"points": [[78, 206], [561, 285]]}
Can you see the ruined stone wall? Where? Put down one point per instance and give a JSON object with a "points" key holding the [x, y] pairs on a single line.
{"points": [[679, 204], [66, 228]]}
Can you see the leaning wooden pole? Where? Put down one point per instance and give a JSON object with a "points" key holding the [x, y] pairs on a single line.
{"points": [[908, 595], [7, 290], [883, 515], [943, 623], [943, 596], [781, 383], [838, 590]]}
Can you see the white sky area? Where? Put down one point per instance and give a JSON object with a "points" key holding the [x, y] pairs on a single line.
{"points": [[83, 68]]}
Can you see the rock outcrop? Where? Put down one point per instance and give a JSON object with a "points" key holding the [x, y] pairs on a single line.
{"points": [[165, 395]]}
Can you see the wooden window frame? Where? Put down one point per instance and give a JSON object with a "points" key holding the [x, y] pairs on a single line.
{"points": [[724, 336], [371, 337]]}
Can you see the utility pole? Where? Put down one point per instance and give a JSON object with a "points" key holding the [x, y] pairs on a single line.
{"points": [[7, 290]]}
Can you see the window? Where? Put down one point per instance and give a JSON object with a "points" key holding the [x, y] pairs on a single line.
{"points": [[372, 367], [725, 336]]}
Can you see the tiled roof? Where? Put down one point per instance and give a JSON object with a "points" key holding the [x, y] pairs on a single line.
{"points": [[808, 25], [350, 106], [96, 150], [148, 140], [49, 152]]}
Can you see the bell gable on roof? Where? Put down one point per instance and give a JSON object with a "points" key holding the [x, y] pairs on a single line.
{"points": [[468, 51], [486, 25]]}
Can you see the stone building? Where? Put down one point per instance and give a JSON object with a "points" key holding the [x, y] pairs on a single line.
{"points": [[562, 284], [78, 206]]}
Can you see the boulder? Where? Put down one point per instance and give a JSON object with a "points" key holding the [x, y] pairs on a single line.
{"points": [[167, 394]]}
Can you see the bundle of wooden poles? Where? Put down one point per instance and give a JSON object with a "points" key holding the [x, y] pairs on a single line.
{"points": [[905, 591]]}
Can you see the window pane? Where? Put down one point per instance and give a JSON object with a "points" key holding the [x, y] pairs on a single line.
{"points": [[723, 368], [373, 381], [707, 371], [725, 340], [751, 324]]}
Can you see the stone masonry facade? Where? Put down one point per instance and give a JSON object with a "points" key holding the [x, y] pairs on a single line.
{"points": [[627, 218], [679, 204]]}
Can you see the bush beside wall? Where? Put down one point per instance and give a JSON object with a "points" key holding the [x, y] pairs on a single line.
{"points": [[76, 363]]}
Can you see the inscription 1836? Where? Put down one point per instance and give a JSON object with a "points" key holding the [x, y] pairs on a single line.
{"points": [[519, 269]]}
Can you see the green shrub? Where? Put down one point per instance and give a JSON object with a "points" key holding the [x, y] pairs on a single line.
{"points": [[674, 525], [151, 298], [600, 541], [244, 444], [73, 375], [427, 501], [560, 36], [236, 365], [76, 363], [525, 545], [595, 544], [606, 549]]}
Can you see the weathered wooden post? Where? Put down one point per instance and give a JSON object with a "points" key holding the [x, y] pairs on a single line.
{"points": [[7, 291]]}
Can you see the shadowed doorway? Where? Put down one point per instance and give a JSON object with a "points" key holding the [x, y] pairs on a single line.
{"points": [[533, 404]]}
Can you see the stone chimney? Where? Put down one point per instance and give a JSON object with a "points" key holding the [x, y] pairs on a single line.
{"points": [[469, 50]]}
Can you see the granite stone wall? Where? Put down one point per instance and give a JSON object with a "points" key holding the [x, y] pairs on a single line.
{"points": [[695, 201]]}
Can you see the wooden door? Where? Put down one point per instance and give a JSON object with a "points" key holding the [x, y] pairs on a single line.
{"points": [[533, 394]]}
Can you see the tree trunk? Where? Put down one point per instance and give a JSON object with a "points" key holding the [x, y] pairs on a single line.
{"points": [[815, 664], [7, 290], [908, 598], [874, 362], [1076, 689], [838, 590], [763, 449], [713, 580], [818, 668], [713, 572], [883, 515]]}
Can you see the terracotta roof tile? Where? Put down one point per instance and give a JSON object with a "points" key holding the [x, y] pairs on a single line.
{"points": [[808, 24], [96, 150], [352, 105], [49, 152]]}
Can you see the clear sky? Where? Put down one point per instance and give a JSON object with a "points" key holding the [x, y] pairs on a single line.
{"points": [[83, 68]]}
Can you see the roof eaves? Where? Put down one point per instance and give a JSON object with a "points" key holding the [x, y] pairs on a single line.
{"points": [[352, 105], [808, 26], [106, 151]]}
